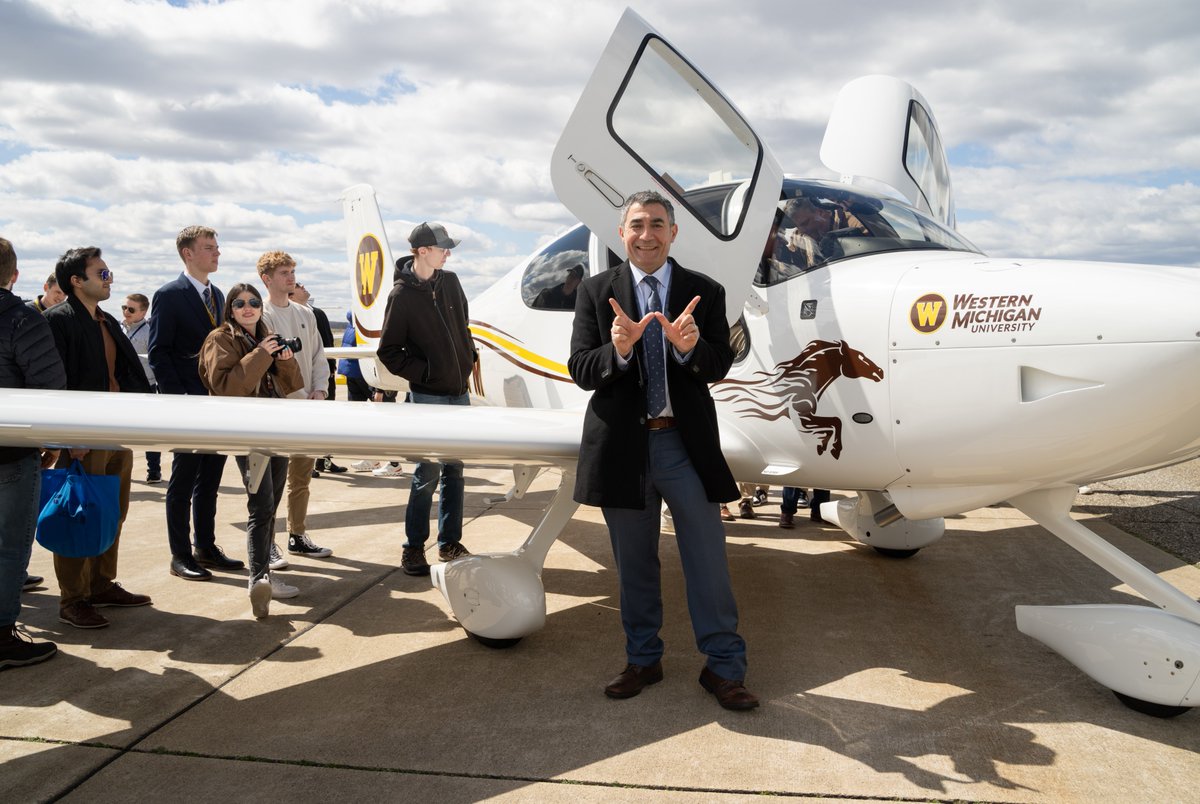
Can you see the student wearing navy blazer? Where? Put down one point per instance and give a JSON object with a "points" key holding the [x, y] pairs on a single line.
{"points": [[185, 310]]}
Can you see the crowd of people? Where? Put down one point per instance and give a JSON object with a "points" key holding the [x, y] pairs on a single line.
{"points": [[200, 341], [649, 370]]}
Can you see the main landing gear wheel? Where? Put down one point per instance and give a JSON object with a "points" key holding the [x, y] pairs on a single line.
{"points": [[495, 644], [1152, 709], [894, 552]]}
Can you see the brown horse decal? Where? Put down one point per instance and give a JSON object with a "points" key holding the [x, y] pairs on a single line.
{"points": [[795, 386]]}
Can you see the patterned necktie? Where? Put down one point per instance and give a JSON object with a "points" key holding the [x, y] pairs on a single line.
{"points": [[211, 304], [656, 367]]}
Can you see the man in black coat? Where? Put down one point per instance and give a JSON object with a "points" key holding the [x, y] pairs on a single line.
{"points": [[426, 340], [650, 434], [28, 359], [97, 357]]}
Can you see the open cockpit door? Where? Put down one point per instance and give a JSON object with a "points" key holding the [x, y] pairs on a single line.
{"points": [[648, 119], [881, 128]]}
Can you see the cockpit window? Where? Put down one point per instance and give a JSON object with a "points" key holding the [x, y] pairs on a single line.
{"points": [[818, 223], [925, 161], [552, 275], [683, 131]]}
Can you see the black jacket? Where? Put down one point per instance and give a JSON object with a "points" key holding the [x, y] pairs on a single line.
{"points": [[28, 358], [615, 445], [81, 347], [425, 338]]}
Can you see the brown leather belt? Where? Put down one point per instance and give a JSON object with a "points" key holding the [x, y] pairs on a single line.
{"points": [[660, 423]]}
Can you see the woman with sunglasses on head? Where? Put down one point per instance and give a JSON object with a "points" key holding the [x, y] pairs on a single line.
{"points": [[242, 358]]}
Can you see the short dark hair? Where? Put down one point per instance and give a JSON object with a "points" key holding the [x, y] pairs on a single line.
{"points": [[140, 299], [74, 263], [645, 198], [8, 262], [260, 329], [51, 281]]}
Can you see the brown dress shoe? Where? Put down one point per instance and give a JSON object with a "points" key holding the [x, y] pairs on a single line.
{"points": [[116, 595], [725, 515], [730, 693], [81, 615], [633, 679], [786, 520]]}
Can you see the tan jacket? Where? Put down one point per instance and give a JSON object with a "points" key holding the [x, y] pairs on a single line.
{"points": [[230, 366]]}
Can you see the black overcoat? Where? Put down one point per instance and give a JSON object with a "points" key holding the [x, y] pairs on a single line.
{"points": [[613, 452]]}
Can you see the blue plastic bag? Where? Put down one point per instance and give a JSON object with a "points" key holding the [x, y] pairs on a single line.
{"points": [[80, 512]]}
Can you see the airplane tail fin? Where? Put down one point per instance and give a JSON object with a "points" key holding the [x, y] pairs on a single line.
{"points": [[370, 277]]}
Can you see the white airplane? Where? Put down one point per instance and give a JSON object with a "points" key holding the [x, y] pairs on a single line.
{"points": [[888, 356]]}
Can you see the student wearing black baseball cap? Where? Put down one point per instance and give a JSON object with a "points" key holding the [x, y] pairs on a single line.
{"points": [[425, 340]]}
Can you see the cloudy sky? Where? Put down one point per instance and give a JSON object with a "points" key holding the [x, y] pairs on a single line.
{"points": [[1073, 128]]}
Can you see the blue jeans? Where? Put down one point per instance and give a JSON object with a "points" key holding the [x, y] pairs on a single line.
{"points": [[792, 498], [700, 536], [450, 495], [20, 487]]}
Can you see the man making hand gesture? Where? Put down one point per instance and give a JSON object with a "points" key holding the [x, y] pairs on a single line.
{"points": [[650, 434]]}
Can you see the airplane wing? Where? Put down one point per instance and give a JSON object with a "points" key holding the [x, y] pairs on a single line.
{"points": [[289, 427]]}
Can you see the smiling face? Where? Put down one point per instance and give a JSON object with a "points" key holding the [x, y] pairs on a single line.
{"points": [[648, 234], [249, 311]]}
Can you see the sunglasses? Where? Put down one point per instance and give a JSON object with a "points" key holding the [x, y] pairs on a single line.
{"points": [[238, 304], [105, 275], [127, 309]]}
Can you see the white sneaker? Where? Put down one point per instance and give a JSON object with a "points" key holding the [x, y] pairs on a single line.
{"points": [[282, 591], [362, 466], [260, 597], [387, 470], [277, 560], [1085, 489]]}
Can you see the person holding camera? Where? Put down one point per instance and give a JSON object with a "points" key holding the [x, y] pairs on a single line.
{"points": [[243, 358], [292, 320]]}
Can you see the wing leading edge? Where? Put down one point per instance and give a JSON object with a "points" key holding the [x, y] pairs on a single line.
{"points": [[289, 427]]}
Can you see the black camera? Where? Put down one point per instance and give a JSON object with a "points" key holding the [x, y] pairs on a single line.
{"points": [[291, 343]]}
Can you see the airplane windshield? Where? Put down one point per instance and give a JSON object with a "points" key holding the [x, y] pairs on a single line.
{"points": [[818, 223]]}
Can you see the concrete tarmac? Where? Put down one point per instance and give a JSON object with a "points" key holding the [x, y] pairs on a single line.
{"points": [[881, 679]]}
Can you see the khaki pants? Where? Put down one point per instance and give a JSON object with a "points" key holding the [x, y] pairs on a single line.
{"points": [[299, 478], [82, 578]]}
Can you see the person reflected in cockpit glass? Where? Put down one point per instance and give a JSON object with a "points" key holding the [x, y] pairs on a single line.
{"points": [[804, 224], [562, 295]]}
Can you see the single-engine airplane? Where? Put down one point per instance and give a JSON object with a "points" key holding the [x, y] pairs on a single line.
{"points": [[877, 351]]}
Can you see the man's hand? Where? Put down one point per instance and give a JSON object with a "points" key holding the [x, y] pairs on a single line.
{"points": [[77, 454], [318, 394], [682, 332], [625, 331]]}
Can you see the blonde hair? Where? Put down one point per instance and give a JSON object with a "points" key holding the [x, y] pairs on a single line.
{"points": [[268, 262]]}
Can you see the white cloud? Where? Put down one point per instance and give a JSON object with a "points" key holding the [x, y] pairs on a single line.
{"points": [[1072, 128]]}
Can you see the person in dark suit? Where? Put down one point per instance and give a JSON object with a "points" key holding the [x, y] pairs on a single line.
{"points": [[186, 309], [650, 434]]}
